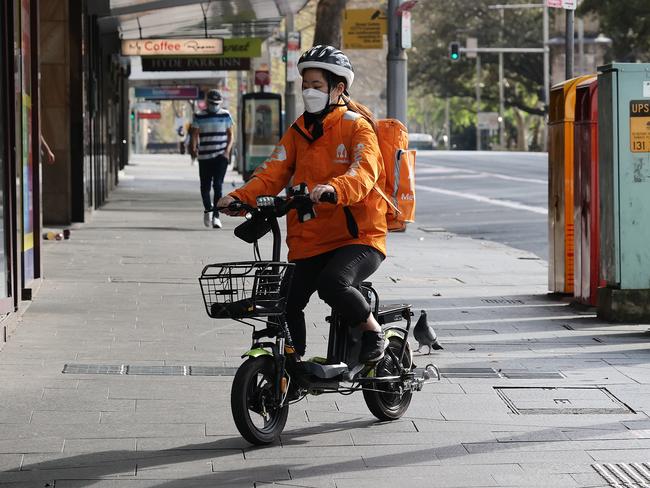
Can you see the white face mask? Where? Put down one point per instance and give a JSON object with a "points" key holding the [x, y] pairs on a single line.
{"points": [[315, 100], [214, 107]]}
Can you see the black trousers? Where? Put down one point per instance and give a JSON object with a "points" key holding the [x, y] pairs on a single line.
{"points": [[336, 276], [211, 173]]}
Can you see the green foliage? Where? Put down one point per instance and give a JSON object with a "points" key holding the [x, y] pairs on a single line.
{"points": [[627, 22], [430, 66]]}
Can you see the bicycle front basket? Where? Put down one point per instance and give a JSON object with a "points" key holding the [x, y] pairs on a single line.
{"points": [[244, 289]]}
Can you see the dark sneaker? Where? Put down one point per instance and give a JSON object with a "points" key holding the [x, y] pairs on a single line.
{"points": [[372, 347]]}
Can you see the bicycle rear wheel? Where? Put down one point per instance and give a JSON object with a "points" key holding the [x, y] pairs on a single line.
{"points": [[252, 400], [385, 401]]}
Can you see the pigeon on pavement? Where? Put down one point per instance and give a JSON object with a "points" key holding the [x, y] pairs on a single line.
{"points": [[425, 335]]}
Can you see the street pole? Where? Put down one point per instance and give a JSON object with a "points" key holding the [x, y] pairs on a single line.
{"points": [[570, 47], [581, 47], [397, 77], [289, 89], [547, 77], [502, 124], [447, 124], [478, 101]]}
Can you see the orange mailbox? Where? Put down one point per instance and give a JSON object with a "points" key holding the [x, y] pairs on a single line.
{"points": [[586, 213], [560, 185]]}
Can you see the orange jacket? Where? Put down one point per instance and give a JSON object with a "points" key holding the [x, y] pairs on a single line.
{"points": [[346, 156]]}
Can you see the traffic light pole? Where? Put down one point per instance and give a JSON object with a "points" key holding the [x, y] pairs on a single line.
{"points": [[397, 76]]}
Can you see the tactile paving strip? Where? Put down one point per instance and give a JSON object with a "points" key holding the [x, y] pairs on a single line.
{"points": [[625, 475]]}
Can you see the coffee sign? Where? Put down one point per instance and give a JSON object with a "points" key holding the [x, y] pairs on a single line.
{"points": [[171, 47]]}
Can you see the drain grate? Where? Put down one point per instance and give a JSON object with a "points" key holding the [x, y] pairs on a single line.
{"points": [[125, 369], [532, 375], [628, 475], [94, 369], [469, 373], [561, 401], [158, 370], [501, 301]]}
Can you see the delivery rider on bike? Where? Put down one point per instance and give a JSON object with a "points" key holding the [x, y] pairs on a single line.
{"points": [[332, 147]]}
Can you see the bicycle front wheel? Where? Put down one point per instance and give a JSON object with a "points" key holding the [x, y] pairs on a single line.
{"points": [[252, 400]]}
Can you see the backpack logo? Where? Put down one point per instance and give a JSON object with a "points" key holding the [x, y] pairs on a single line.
{"points": [[341, 154]]}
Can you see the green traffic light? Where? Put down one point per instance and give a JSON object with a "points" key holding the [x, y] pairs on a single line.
{"points": [[454, 56]]}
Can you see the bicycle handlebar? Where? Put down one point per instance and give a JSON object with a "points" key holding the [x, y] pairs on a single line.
{"points": [[281, 204]]}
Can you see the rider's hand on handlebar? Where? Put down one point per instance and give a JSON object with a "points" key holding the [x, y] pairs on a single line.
{"points": [[223, 204], [318, 190]]}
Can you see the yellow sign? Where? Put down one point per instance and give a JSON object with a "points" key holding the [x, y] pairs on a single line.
{"points": [[364, 28], [640, 126]]}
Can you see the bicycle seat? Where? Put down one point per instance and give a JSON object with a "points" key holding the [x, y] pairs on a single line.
{"points": [[323, 371]]}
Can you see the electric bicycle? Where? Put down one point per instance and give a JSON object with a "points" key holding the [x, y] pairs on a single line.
{"points": [[273, 376]]}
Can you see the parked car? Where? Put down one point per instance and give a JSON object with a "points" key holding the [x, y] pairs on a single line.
{"points": [[420, 141]]}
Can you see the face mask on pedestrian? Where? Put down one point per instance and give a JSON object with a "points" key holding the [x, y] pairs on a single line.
{"points": [[315, 100], [214, 106]]}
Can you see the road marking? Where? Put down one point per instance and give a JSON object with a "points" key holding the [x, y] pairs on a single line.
{"points": [[482, 199], [437, 169]]}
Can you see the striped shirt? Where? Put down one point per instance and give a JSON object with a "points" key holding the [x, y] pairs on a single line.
{"points": [[213, 136]]}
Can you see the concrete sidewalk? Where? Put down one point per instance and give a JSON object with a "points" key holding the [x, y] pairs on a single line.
{"points": [[534, 394]]}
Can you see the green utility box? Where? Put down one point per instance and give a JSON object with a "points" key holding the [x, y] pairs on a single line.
{"points": [[624, 171]]}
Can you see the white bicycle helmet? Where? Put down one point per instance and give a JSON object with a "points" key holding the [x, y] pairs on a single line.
{"points": [[328, 58]]}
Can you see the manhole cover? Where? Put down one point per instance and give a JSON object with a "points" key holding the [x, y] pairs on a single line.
{"points": [[632, 475], [561, 401]]}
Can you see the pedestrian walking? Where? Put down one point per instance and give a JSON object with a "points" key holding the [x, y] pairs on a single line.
{"points": [[211, 143]]}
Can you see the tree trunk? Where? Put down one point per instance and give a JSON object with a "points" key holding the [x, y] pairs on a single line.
{"points": [[329, 16]]}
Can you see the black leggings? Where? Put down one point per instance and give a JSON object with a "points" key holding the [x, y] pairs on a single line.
{"points": [[335, 275]]}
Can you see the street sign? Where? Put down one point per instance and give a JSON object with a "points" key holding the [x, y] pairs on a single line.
{"points": [[149, 115], [242, 47], [167, 93], [170, 47], [364, 28], [565, 4], [488, 120], [406, 29], [193, 63], [262, 78], [293, 53], [471, 45]]}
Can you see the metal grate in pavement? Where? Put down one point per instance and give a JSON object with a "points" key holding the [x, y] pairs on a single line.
{"points": [[213, 370], [149, 370], [159, 370], [468, 373], [94, 369], [500, 301], [532, 375], [625, 475]]}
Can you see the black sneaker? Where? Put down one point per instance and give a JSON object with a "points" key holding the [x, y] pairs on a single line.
{"points": [[372, 347]]}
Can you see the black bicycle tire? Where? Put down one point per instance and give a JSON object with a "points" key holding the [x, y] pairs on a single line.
{"points": [[376, 400], [239, 402]]}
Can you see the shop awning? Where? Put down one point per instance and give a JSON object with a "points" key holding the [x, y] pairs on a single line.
{"points": [[191, 18]]}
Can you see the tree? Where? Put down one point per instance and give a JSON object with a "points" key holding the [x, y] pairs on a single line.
{"points": [[431, 70], [328, 22], [627, 23]]}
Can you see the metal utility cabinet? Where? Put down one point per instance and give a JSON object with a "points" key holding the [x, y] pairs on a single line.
{"points": [[560, 185], [624, 167]]}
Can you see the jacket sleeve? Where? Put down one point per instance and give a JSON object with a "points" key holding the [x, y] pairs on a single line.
{"points": [[273, 175], [365, 169]]}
